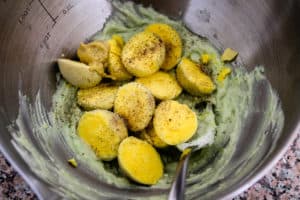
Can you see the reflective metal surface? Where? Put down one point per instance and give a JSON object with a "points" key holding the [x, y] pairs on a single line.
{"points": [[178, 186], [35, 32]]}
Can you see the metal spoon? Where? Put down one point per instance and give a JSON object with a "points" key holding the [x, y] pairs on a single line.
{"points": [[203, 137], [178, 185]]}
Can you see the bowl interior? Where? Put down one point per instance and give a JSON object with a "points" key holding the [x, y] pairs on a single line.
{"points": [[34, 34]]}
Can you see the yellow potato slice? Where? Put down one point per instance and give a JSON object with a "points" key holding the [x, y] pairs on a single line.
{"points": [[119, 40], [78, 74], [143, 54], [116, 45], [229, 55], [192, 79], [103, 131], [93, 52], [172, 42], [115, 66], [135, 103], [140, 161], [151, 137], [162, 85], [99, 97], [174, 123]]}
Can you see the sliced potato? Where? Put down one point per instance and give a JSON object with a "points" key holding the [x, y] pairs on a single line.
{"points": [[135, 103], [93, 52], [103, 131], [162, 85], [99, 97], [115, 66], [119, 40], [140, 161], [151, 137], [229, 55], [115, 46], [99, 68], [172, 42], [174, 123], [78, 74], [192, 79], [143, 54]]}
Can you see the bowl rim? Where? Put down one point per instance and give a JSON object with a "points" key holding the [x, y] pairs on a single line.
{"points": [[266, 166]]}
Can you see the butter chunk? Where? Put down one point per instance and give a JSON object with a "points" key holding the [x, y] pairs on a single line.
{"points": [[225, 71], [229, 55], [205, 58], [73, 162]]}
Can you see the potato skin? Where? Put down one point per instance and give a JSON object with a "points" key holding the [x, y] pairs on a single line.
{"points": [[135, 104], [143, 54]]}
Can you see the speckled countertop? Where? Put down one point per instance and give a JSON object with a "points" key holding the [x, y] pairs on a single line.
{"points": [[282, 182]]}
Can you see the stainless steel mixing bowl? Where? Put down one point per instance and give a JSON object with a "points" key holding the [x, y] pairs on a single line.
{"points": [[36, 32]]}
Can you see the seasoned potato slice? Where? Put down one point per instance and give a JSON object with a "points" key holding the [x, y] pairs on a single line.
{"points": [[93, 52], [151, 137], [103, 131], [192, 79], [143, 54], [174, 123], [135, 103], [116, 44], [172, 42], [119, 40], [99, 97], [78, 74], [140, 161], [162, 85], [115, 66]]}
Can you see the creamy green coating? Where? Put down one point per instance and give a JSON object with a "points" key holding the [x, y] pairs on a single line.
{"points": [[224, 116]]}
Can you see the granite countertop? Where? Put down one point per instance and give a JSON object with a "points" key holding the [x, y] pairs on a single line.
{"points": [[282, 182]]}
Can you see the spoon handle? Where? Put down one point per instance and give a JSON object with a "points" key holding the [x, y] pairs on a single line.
{"points": [[178, 185]]}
